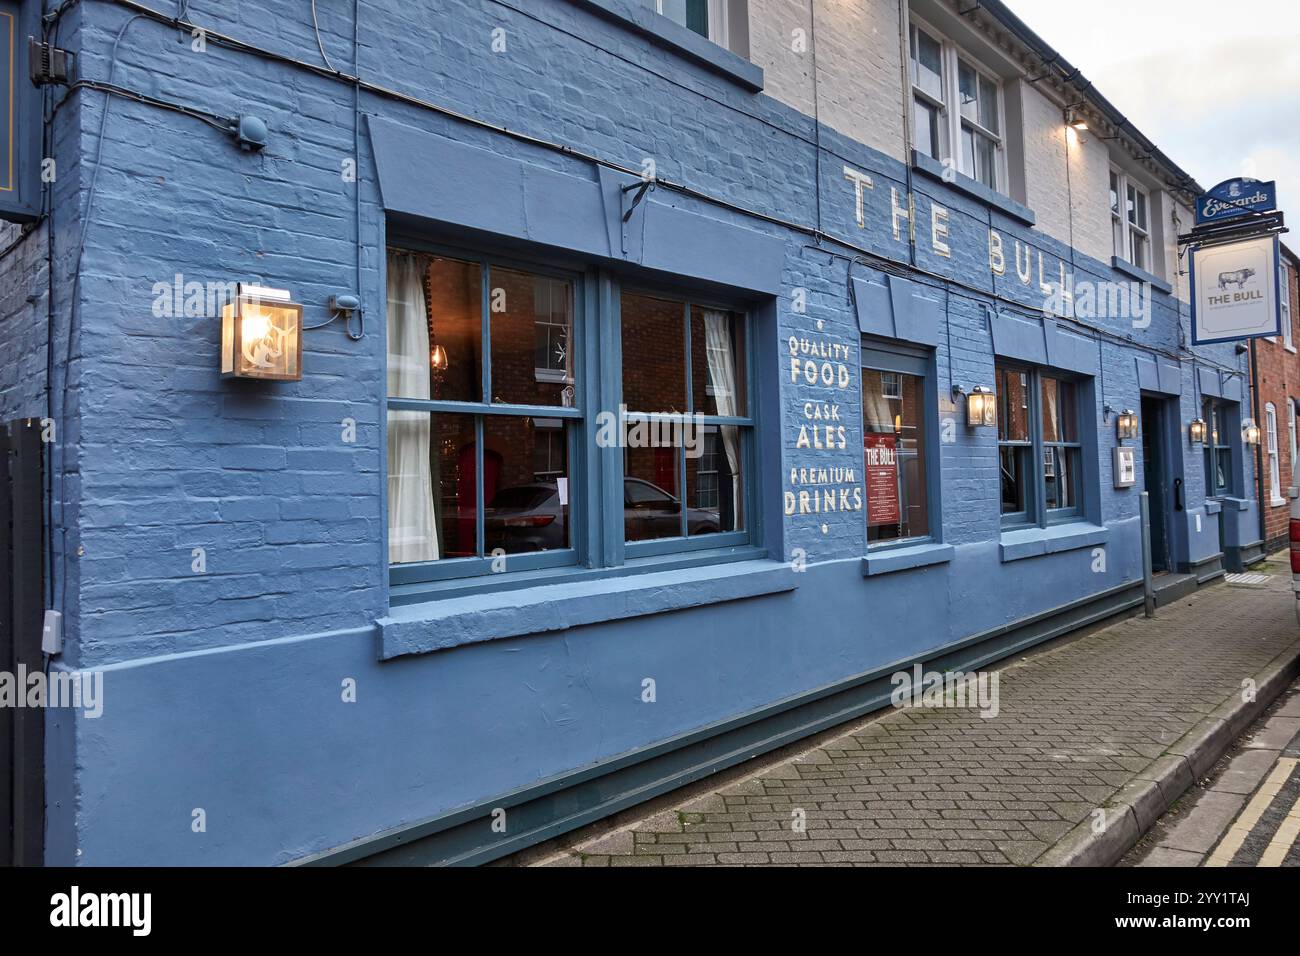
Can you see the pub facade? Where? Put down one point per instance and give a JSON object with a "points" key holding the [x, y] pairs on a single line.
{"points": [[625, 391]]}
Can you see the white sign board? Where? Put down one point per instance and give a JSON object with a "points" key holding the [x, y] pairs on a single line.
{"points": [[1125, 466], [1234, 291]]}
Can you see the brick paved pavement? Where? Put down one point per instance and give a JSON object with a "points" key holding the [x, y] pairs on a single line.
{"points": [[946, 786]]}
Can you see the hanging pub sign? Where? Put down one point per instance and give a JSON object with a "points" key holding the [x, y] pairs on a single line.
{"points": [[882, 479], [1235, 290], [1233, 198], [20, 115]]}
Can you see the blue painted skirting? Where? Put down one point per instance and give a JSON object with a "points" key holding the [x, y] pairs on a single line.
{"points": [[556, 806]]}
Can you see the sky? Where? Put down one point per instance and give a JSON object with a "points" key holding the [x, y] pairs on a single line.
{"points": [[1215, 85]]}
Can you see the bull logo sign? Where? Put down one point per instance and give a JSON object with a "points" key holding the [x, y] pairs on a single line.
{"points": [[1235, 291]]}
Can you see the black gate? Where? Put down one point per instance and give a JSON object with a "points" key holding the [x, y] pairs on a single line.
{"points": [[22, 729]]}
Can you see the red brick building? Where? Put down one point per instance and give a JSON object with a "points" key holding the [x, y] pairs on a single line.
{"points": [[1277, 373]]}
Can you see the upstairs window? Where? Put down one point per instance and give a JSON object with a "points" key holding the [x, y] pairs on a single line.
{"points": [[1284, 297], [956, 101], [1130, 220], [705, 17]]}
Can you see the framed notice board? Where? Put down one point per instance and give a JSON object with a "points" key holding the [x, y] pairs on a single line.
{"points": [[20, 114]]}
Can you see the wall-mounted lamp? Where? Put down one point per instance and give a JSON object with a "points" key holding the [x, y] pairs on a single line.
{"points": [[1250, 432], [981, 406], [261, 335], [1196, 431], [1126, 424], [1075, 121]]}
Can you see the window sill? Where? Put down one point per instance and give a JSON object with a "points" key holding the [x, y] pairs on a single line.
{"points": [[473, 618], [1133, 272], [1278, 503], [1213, 507], [1233, 504], [888, 560], [1035, 542], [663, 32], [936, 170]]}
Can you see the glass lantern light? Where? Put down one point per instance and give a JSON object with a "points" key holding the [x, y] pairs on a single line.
{"points": [[261, 335], [1250, 432], [981, 407], [1126, 424], [1196, 429]]}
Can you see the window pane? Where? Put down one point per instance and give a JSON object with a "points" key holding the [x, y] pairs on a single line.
{"points": [[651, 504], [1013, 462], [525, 484], [986, 161], [1060, 414], [968, 90], [1223, 471], [1114, 193], [893, 420], [717, 362], [927, 132], [968, 152], [1013, 405], [1139, 250], [693, 14], [654, 354], [532, 324], [927, 63], [714, 493], [435, 343], [988, 117], [431, 487], [1060, 471]]}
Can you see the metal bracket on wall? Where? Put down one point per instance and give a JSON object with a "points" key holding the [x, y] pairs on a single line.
{"points": [[642, 187]]}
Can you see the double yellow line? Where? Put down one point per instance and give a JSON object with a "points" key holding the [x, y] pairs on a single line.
{"points": [[1286, 835]]}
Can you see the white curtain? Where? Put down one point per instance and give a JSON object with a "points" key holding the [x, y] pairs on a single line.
{"points": [[722, 374], [412, 530]]}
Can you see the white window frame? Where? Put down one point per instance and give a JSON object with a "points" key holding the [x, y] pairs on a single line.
{"points": [[717, 19], [1284, 297], [951, 119], [1274, 467], [1125, 232], [1291, 433]]}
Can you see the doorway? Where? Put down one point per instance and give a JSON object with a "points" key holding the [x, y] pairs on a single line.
{"points": [[1157, 479]]}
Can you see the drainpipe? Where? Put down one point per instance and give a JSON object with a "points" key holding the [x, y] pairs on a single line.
{"points": [[904, 46], [1259, 448]]}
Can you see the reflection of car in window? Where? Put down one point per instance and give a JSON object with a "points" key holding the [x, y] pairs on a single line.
{"points": [[651, 512], [531, 518]]}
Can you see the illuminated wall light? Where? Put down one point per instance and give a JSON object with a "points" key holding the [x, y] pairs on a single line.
{"points": [[1126, 424], [981, 407], [1196, 430], [1250, 432], [261, 335]]}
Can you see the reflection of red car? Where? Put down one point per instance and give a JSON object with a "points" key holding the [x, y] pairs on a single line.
{"points": [[651, 512], [531, 518]]}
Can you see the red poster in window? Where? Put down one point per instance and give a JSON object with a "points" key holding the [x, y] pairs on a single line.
{"points": [[881, 455]]}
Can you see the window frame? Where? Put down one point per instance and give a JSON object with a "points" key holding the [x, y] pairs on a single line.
{"points": [[1272, 452], [889, 356], [417, 572], [952, 122], [596, 509], [1036, 514], [716, 16], [1123, 227], [746, 423], [1218, 438], [1284, 298]]}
